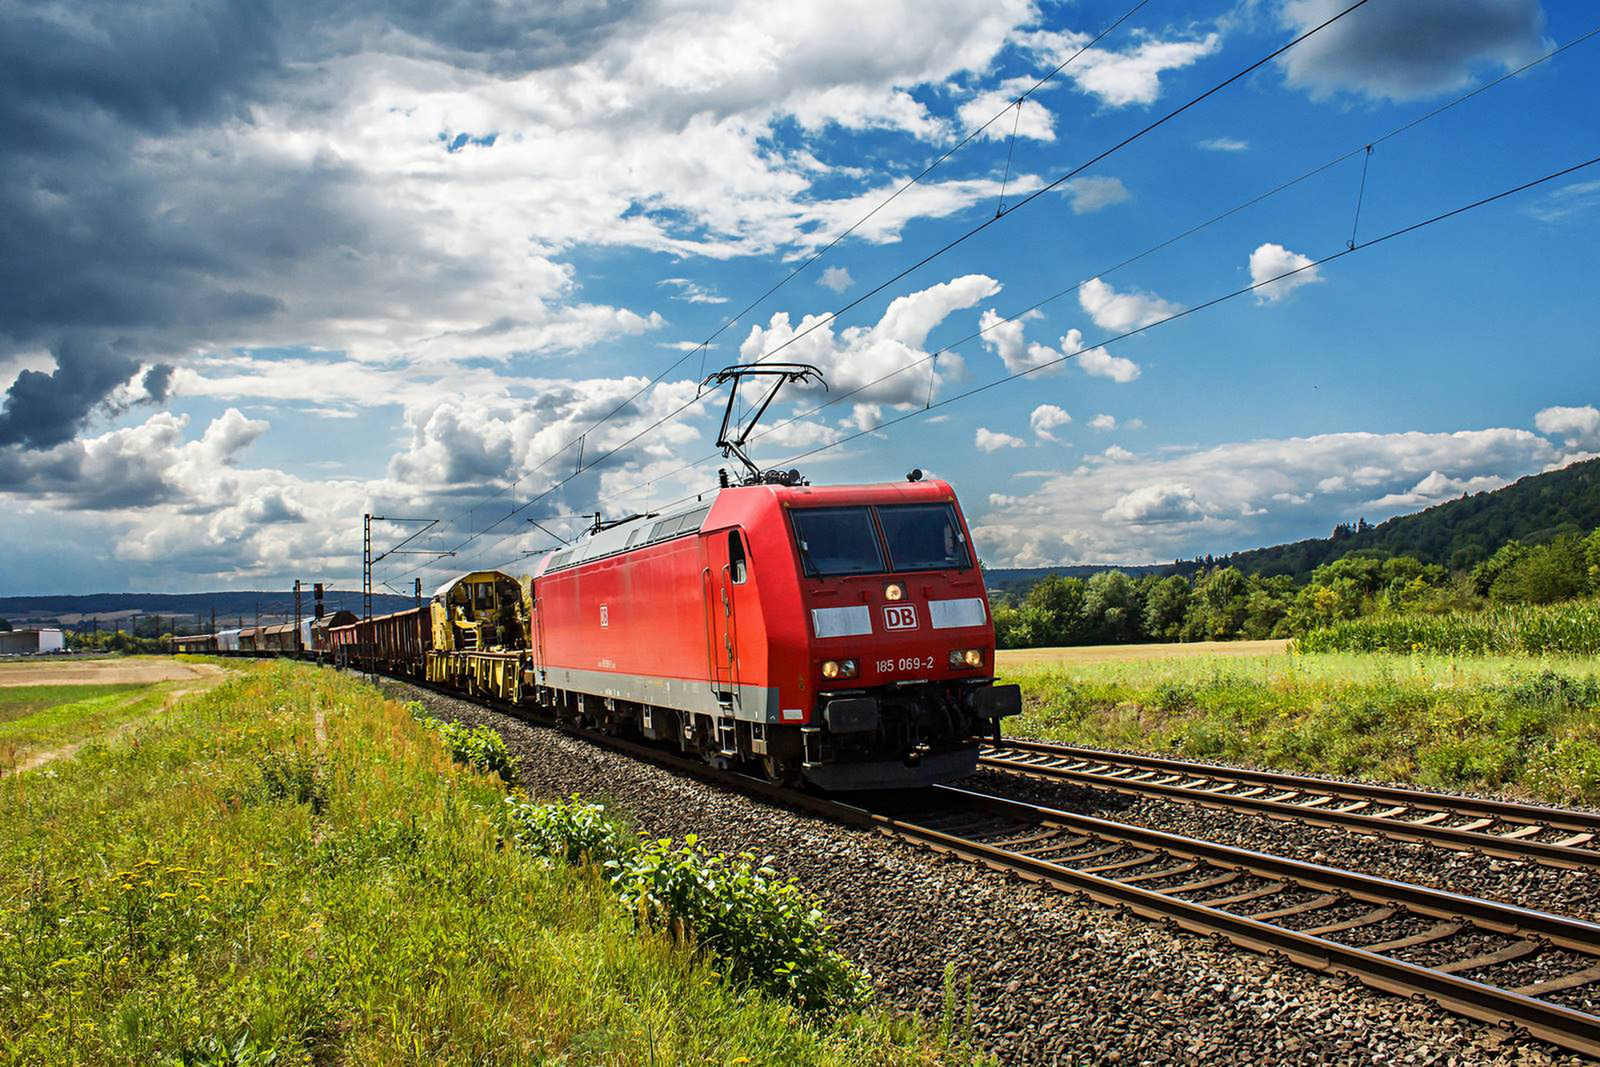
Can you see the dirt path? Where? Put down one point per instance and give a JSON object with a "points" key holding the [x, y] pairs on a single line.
{"points": [[105, 672]]}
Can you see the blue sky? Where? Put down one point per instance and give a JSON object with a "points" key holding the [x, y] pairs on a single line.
{"points": [[376, 257]]}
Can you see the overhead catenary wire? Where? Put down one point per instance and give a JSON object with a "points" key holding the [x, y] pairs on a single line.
{"points": [[837, 398], [930, 257], [1185, 312], [810, 260], [1062, 179], [1349, 250]]}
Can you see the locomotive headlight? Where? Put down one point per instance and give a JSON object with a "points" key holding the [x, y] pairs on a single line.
{"points": [[966, 657], [839, 668], [894, 591]]}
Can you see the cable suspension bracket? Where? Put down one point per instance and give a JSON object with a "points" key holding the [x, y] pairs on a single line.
{"points": [[734, 434]]}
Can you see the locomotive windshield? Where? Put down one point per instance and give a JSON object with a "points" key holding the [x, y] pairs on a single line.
{"points": [[923, 537], [837, 541]]}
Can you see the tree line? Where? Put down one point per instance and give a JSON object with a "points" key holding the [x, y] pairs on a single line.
{"points": [[1225, 603]]}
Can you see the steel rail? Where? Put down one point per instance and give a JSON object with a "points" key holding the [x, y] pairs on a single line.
{"points": [[1569, 1028], [1313, 800]]}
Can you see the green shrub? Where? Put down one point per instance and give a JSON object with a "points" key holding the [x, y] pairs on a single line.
{"points": [[479, 747], [766, 930], [573, 832]]}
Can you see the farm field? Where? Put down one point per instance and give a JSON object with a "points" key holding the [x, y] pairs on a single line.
{"points": [[49, 707], [287, 868], [1526, 726], [110, 670]]}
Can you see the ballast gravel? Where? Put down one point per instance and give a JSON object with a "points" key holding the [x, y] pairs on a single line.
{"points": [[1039, 976]]}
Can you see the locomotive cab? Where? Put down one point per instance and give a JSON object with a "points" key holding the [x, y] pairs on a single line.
{"points": [[900, 643]]}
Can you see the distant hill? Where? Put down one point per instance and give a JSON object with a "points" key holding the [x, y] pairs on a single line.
{"points": [[1457, 534], [110, 609]]}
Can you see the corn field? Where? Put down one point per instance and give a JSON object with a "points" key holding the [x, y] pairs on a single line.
{"points": [[1567, 629]]}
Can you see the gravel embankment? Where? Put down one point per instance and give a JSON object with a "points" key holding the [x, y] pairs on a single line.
{"points": [[1051, 979], [1521, 882]]}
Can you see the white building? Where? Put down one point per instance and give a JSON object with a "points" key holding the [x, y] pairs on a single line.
{"points": [[29, 642]]}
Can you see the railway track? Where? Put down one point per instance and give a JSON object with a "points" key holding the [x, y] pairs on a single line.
{"points": [[1487, 960], [1552, 836]]}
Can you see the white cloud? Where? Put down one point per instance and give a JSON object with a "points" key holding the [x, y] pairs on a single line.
{"points": [[991, 441], [1099, 363], [1270, 261], [860, 355], [1118, 454], [1121, 312], [1570, 201], [1436, 488], [1103, 422], [1247, 493], [1224, 144], [1410, 49], [1577, 427], [1153, 505], [1120, 79], [1094, 193], [836, 278], [1034, 121], [692, 292], [1046, 419]]}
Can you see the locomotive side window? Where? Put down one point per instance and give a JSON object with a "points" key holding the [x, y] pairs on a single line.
{"points": [[924, 537], [738, 566], [837, 541]]}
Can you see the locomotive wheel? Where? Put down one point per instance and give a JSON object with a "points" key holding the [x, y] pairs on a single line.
{"points": [[782, 772]]}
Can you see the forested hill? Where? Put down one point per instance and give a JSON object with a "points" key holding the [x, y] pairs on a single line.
{"points": [[1457, 534]]}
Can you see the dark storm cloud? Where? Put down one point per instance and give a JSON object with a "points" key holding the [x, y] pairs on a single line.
{"points": [[130, 238], [1402, 49], [502, 38], [158, 382], [42, 409], [67, 67]]}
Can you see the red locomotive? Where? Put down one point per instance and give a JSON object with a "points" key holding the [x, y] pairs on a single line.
{"points": [[840, 634]]}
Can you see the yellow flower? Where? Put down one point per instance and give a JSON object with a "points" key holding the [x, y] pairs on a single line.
{"points": [[166, 896]]}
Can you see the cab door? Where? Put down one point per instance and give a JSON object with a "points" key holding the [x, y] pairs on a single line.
{"points": [[727, 574]]}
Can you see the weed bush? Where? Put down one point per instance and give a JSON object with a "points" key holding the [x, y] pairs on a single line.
{"points": [[479, 747], [295, 775], [766, 930]]}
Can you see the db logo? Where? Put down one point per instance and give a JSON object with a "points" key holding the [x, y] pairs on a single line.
{"points": [[900, 616], [605, 617]]}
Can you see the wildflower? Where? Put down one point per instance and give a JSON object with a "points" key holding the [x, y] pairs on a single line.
{"points": [[166, 896]]}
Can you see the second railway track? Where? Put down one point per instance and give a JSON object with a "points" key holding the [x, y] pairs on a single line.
{"points": [[1552, 836]]}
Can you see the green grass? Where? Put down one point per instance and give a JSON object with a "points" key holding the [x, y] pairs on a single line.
{"points": [[230, 881], [1520, 725], [1571, 628], [88, 711], [20, 701]]}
